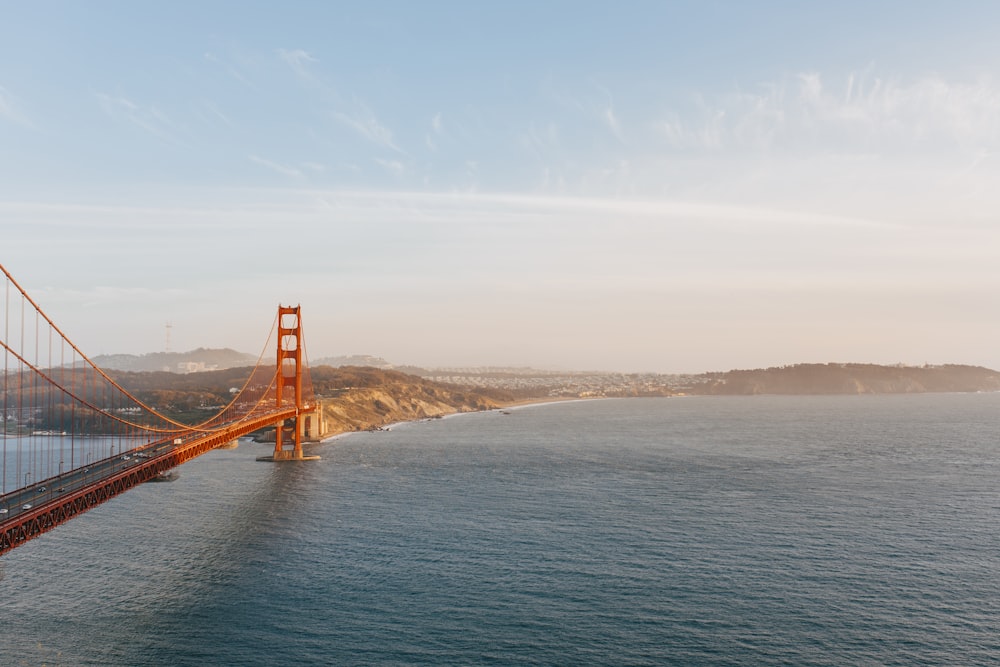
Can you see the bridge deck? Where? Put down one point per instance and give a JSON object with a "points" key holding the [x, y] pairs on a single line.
{"points": [[42, 507]]}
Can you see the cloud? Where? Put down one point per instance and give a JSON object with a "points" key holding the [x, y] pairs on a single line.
{"points": [[862, 114], [298, 59], [274, 166], [230, 70], [607, 114], [368, 126], [612, 123], [9, 109], [541, 141], [591, 107], [214, 110], [437, 130], [392, 166], [147, 118]]}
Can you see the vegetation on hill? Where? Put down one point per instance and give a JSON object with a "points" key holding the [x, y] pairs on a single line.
{"points": [[850, 379], [354, 398]]}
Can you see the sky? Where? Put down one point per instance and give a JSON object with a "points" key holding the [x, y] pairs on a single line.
{"points": [[628, 186]]}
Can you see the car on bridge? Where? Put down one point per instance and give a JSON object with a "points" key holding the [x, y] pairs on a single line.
{"points": [[26, 506]]}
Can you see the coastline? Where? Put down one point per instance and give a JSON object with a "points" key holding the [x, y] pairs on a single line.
{"points": [[392, 423], [551, 400]]}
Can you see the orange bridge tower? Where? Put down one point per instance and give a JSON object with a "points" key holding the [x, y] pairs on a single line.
{"points": [[289, 381]]}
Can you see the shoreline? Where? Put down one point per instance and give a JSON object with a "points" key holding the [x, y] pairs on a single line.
{"points": [[552, 400], [517, 405]]}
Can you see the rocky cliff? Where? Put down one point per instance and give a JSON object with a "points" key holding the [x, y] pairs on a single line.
{"points": [[358, 399]]}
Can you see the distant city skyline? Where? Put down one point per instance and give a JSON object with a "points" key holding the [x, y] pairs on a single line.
{"points": [[640, 186]]}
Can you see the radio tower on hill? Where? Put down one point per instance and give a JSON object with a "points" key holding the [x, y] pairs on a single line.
{"points": [[166, 344]]}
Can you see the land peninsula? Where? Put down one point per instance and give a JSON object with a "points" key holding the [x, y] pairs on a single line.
{"points": [[356, 398]]}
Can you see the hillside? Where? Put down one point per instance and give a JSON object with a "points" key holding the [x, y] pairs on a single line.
{"points": [[357, 399], [353, 398], [849, 379], [202, 359]]}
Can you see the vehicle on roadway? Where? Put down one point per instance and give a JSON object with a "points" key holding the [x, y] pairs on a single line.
{"points": [[26, 506], [3, 510]]}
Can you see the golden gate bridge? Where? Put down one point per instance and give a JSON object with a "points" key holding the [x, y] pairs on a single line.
{"points": [[71, 437]]}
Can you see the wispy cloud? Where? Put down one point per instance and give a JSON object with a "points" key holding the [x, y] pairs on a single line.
{"points": [[607, 114], [863, 113], [437, 130], [148, 118], [599, 108], [9, 109], [298, 59], [216, 113], [364, 122], [540, 141], [392, 166], [230, 69], [275, 166]]}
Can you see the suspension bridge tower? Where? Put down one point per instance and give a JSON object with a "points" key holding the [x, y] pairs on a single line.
{"points": [[289, 381]]}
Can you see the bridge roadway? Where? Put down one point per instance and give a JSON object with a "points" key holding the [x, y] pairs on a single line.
{"points": [[41, 507]]}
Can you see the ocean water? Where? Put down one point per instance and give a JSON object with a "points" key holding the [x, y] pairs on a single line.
{"points": [[766, 530]]}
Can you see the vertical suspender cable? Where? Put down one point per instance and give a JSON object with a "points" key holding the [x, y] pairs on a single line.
{"points": [[20, 395], [6, 379], [37, 451]]}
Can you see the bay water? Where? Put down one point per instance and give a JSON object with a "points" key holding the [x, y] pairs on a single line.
{"points": [[768, 530]]}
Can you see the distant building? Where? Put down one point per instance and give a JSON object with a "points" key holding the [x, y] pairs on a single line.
{"points": [[195, 367]]}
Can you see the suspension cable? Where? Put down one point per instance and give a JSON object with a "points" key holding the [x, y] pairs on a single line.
{"points": [[182, 426]]}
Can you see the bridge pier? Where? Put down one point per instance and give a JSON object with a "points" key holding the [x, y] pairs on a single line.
{"points": [[281, 453]]}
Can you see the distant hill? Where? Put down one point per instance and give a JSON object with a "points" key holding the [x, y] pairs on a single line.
{"points": [[850, 379], [352, 360], [525, 383], [202, 359]]}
